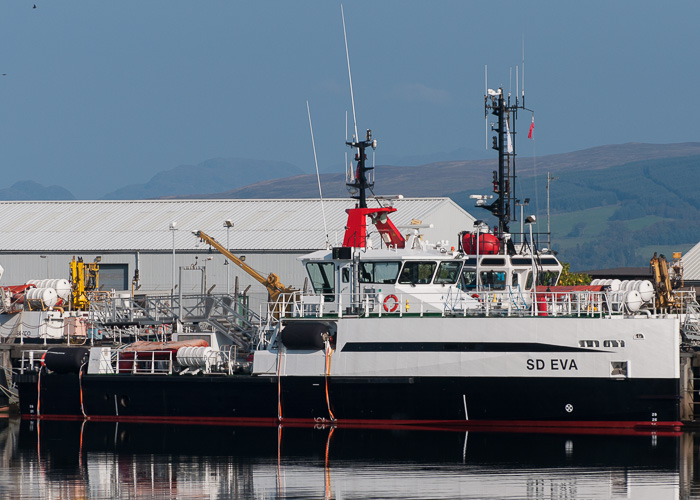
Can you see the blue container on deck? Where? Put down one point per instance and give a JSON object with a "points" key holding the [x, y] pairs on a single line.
{"points": [[94, 333]]}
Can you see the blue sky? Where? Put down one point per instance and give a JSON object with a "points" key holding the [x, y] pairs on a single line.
{"points": [[100, 94]]}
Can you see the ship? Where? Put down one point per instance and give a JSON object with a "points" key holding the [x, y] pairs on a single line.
{"points": [[403, 332]]}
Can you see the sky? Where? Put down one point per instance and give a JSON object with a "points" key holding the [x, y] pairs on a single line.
{"points": [[100, 94]]}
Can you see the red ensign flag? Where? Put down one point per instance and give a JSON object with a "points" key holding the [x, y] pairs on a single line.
{"points": [[532, 127]]}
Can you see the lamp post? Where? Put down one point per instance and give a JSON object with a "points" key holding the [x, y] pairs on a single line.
{"points": [[549, 234], [173, 228], [206, 261], [228, 225], [47, 264], [477, 225], [531, 219]]}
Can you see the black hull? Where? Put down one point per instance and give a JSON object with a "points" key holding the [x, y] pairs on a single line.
{"points": [[549, 402]]}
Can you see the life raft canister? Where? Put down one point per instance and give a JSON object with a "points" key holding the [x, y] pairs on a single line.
{"points": [[391, 308], [541, 300]]}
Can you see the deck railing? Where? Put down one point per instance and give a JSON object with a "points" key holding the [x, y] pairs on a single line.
{"points": [[455, 302]]}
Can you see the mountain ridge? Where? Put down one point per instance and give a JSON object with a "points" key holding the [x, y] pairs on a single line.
{"points": [[429, 180]]}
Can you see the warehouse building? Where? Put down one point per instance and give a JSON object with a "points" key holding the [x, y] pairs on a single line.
{"points": [[691, 267], [38, 239]]}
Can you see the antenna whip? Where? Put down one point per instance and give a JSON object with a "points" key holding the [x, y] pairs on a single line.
{"points": [[318, 177]]}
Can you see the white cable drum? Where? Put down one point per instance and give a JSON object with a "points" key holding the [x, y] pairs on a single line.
{"points": [[38, 297], [595, 282], [624, 284], [62, 287], [645, 289], [615, 285], [195, 357], [633, 300]]}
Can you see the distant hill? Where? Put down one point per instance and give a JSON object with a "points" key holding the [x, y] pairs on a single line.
{"points": [[454, 177], [611, 206], [206, 177], [30, 190], [424, 159], [620, 215]]}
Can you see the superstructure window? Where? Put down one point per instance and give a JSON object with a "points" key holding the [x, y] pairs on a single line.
{"points": [[493, 280], [547, 278], [322, 278], [448, 272], [468, 280], [492, 261], [379, 272], [417, 272], [521, 261]]}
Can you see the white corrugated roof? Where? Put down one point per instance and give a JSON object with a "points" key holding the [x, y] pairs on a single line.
{"points": [[691, 263], [143, 224]]}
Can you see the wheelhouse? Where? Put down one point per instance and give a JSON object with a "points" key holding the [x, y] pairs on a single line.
{"points": [[427, 276]]}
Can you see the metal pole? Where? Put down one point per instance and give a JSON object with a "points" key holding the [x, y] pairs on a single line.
{"points": [[228, 247], [549, 234], [228, 224], [173, 228], [548, 179], [522, 204], [172, 284]]}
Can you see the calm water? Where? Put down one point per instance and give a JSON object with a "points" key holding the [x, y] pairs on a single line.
{"points": [[107, 460]]}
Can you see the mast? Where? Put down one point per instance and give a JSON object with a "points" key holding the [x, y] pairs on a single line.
{"points": [[506, 113], [359, 183]]}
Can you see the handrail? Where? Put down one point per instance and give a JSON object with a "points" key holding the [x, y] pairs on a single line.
{"points": [[144, 362], [30, 358], [455, 302]]}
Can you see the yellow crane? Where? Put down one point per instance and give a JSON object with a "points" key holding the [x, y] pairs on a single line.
{"points": [[85, 277], [272, 282], [666, 279]]}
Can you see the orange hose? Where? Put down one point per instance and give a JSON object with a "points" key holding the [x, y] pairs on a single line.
{"points": [[329, 353]]}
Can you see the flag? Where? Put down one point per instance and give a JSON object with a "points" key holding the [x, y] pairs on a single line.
{"points": [[532, 127]]}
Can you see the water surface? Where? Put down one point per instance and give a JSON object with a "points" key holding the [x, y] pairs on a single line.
{"points": [[108, 460]]}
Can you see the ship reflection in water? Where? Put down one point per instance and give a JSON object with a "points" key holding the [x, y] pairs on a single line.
{"points": [[50, 459]]}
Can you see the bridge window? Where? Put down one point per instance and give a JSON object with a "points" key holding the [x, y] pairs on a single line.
{"points": [[379, 272], [322, 276], [417, 272], [448, 272]]}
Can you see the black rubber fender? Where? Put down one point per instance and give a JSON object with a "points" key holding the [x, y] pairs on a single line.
{"points": [[66, 359]]}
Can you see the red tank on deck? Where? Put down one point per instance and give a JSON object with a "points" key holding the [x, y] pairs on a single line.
{"points": [[489, 244]]}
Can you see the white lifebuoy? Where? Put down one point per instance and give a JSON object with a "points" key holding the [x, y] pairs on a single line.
{"points": [[394, 307]]}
